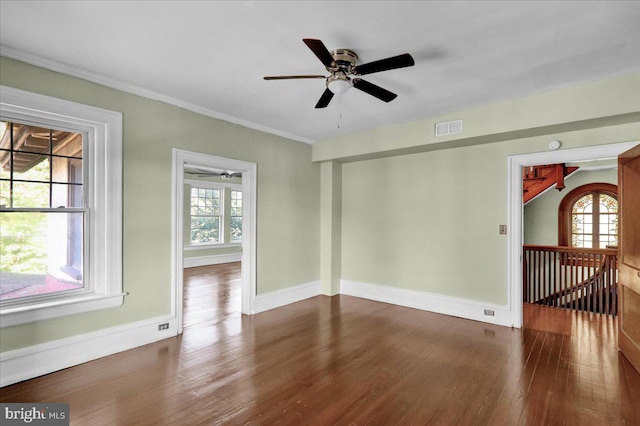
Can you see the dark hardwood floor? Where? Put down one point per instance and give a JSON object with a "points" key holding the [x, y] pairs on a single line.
{"points": [[348, 361], [211, 293]]}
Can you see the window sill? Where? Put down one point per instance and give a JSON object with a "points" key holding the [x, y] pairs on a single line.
{"points": [[213, 246], [50, 309]]}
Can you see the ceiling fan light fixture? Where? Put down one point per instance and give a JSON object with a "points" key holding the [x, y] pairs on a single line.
{"points": [[338, 83]]}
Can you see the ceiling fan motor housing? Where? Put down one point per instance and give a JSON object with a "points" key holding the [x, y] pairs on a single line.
{"points": [[345, 60]]}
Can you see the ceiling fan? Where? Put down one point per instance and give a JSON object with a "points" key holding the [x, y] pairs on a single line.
{"points": [[206, 173], [341, 63]]}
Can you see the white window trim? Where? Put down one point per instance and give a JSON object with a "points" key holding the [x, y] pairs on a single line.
{"points": [[103, 161]]}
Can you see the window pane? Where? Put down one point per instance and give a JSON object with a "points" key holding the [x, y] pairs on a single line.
{"points": [[5, 165], [30, 194], [40, 253], [4, 193], [63, 195], [67, 170], [236, 203], [205, 229], [608, 204], [30, 167], [583, 204], [236, 229]]}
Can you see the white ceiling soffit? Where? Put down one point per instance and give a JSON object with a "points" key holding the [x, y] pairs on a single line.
{"points": [[210, 57]]}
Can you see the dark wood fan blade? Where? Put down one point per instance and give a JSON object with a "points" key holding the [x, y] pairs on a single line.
{"points": [[289, 77], [373, 90], [325, 99], [400, 61], [320, 50]]}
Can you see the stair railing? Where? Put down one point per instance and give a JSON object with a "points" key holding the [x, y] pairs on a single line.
{"points": [[571, 278]]}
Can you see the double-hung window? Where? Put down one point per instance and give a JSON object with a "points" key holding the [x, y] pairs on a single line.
{"points": [[236, 216], [215, 214], [43, 211], [60, 208], [206, 217]]}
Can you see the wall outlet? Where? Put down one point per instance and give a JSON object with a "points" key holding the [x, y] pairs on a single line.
{"points": [[164, 326], [489, 312]]}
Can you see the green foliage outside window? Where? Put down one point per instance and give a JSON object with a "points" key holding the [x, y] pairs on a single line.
{"points": [[23, 235], [236, 215], [205, 215]]}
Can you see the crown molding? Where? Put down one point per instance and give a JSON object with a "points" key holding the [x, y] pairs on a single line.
{"points": [[123, 86]]}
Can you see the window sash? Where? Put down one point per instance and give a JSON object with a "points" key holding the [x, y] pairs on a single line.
{"points": [[198, 195], [235, 216], [101, 132]]}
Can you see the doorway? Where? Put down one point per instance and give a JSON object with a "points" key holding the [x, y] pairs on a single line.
{"points": [[515, 208], [189, 160]]}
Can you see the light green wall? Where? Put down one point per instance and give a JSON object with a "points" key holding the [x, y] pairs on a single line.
{"points": [[287, 199], [541, 214], [584, 106], [429, 221]]}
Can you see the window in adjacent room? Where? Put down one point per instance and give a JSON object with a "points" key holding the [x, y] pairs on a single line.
{"points": [[589, 217], [206, 215], [236, 216]]}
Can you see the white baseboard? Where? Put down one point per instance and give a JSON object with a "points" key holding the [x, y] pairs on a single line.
{"points": [[448, 305], [33, 361], [27, 363], [214, 259], [275, 299]]}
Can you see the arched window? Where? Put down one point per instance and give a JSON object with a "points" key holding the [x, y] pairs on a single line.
{"points": [[588, 217]]}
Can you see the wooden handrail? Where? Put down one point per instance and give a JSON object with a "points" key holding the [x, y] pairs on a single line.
{"points": [[566, 249]]}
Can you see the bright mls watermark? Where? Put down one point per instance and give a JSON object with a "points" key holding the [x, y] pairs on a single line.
{"points": [[54, 414]]}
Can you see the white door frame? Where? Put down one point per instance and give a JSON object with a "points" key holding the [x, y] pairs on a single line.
{"points": [[249, 180], [515, 209]]}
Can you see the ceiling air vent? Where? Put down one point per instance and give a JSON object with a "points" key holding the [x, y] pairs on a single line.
{"points": [[448, 127]]}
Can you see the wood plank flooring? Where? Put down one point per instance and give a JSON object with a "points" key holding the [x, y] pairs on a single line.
{"points": [[348, 361], [211, 293]]}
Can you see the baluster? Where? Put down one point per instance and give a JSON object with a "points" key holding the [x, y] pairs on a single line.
{"points": [[550, 277], [589, 282], [614, 293], [572, 281], [555, 279], [563, 277], [603, 291], [535, 275]]}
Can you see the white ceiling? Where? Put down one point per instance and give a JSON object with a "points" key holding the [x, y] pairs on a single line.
{"points": [[210, 57]]}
